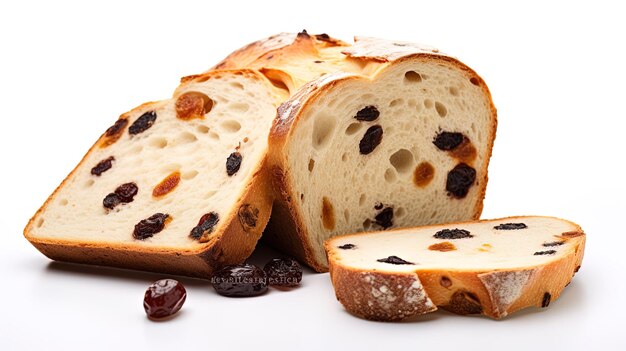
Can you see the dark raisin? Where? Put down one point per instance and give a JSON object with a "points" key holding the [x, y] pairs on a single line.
{"points": [[142, 123], [373, 136], [554, 243], [127, 191], [233, 162], [103, 166], [164, 298], [347, 246], [545, 302], [385, 218], [240, 281], [379, 206], [323, 37], [368, 114], [116, 127], [248, 216], [460, 179], [547, 252], [453, 234], [111, 200], [510, 226], [146, 228], [448, 140], [394, 260], [205, 226], [577, 269], [283, 272], [317, 61]]}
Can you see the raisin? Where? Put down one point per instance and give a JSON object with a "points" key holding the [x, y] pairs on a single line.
{"points": [[443, 247], [111, 200], [192, 105], [166, 185], [240, 281], [373, 136], [283, 272], [451, 234], [164, 298], [103, 166], [577, 269], [127, 191], [572, 234], [554, 243], [248, 216], [347, 246], [460, 179], [445, 282], [423, 174], [328, 214], [233, 162], [510, 226], [394, 260], [545, 302], [205, 227], [116, 128], [142, 123], [385, 218], [368, 114], [547, 252], [154, 224], [448, 140], [323, 37]]}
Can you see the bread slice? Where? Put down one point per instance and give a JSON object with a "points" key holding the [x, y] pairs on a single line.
{"points": [[176, 186], [387, 134], [494, 267]]}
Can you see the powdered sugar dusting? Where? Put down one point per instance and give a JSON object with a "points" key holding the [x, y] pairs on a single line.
{"points": [[400, 300], [505, 288], [386, 50]]}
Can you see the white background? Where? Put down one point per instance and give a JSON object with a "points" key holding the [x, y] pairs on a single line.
{"points": [[556, 72]]}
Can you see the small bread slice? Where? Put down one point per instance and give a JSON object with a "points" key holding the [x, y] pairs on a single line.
{"points": [[394, 135], [491, 267], [176, 186]]}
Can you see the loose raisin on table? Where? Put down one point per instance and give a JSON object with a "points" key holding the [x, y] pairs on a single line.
{"points": [[460, 179], [510, 226], [347, 246], [240, 281], [233, 162], [367, 114], [450, 234], [372, 137], [154, 224], [394, 260], [127, 191], [103, 166], [385, 218], [283, 272], [447, 141], [142, 123], [547, 252], [164, 298], [111, 200], [205, 226]]}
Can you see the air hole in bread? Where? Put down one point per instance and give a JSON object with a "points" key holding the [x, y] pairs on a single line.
{"points": [[230, 126], [412, 77], [411, 103], [89, 183], [39, 223], [209, 194], [63, 202], [362, 199], [402, 160], [433, 214], [390, 175], [322, 130], [400, 212], [185, 138], [453, 91], [311, 164], [442, 111], [158, 142], [189, 174], [344, 157], [239, 107], [203, 129], [214, 136], [328, 214], [346, 215], [353, 128], [367, 224], [428, 103], [474, 81], [237, 85], [396, 102]]}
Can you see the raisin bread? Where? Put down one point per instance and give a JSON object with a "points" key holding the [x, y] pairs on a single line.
{"points": [[493, 267], [385, 134], [176, 186]]}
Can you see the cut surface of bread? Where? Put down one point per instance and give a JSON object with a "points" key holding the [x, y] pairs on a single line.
{"points": [[175, 186], [387, 134], [491, 267]]}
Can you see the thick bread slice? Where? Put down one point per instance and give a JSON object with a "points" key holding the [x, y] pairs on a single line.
{"points": [[493, 267], [199, 157], [394, 135]]}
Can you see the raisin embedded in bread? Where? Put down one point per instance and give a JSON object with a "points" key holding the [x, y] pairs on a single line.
{"points": [[491, 267], [175, 186]]}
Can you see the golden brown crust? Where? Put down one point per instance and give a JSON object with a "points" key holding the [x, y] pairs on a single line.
{"points": [[231, 243], [470, 292]]}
